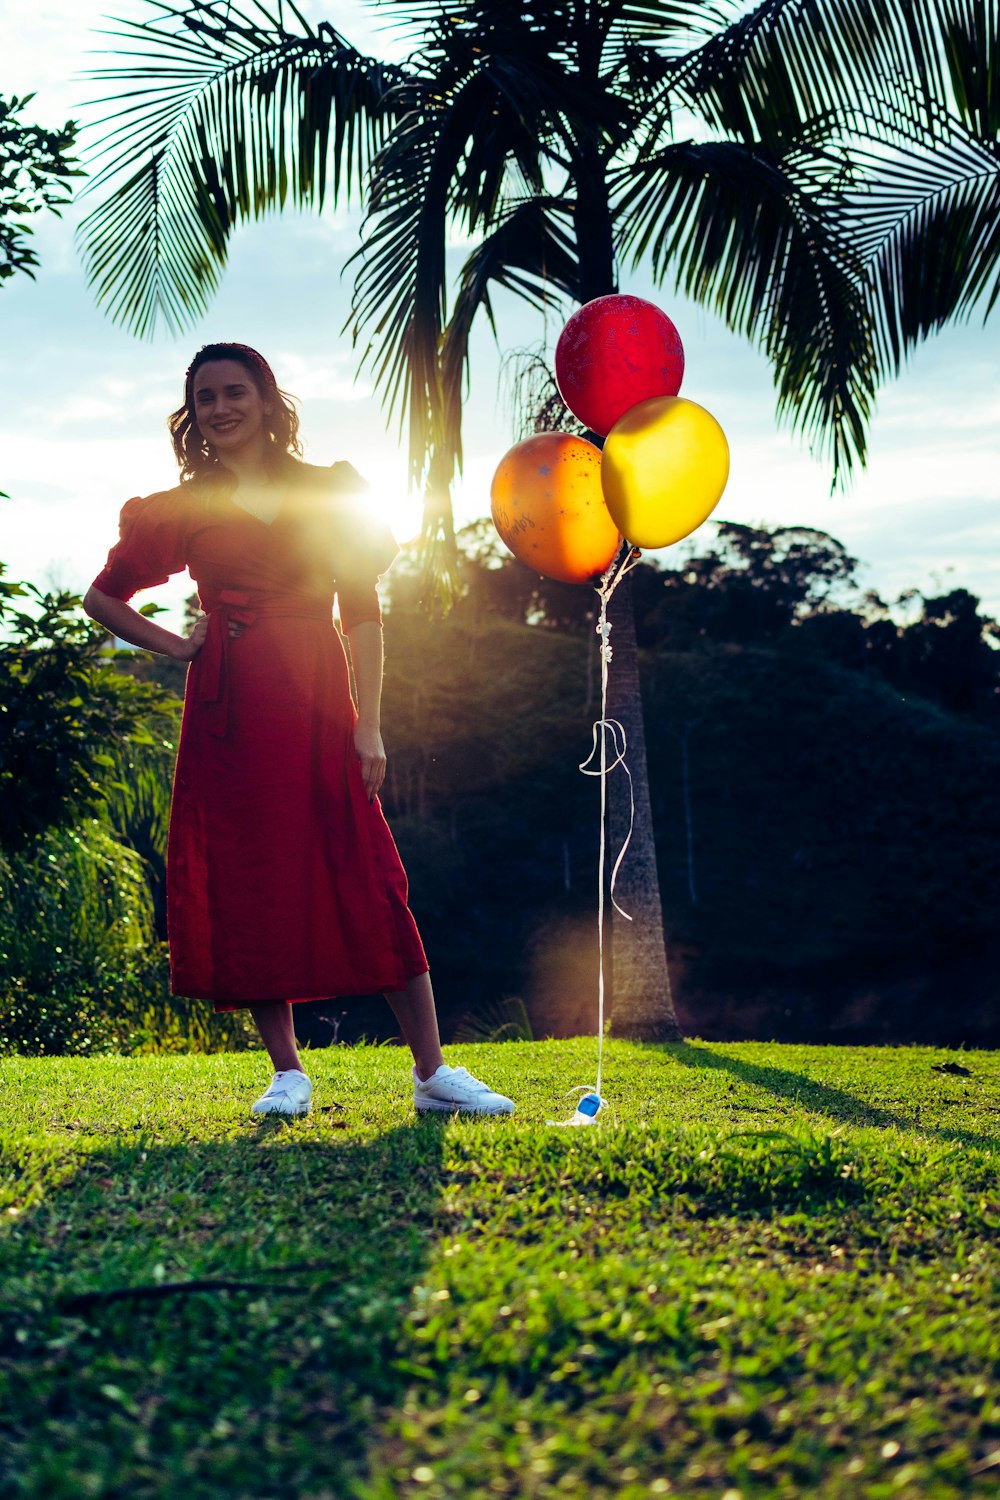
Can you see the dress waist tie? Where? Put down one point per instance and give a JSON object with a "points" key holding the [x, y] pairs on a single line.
{"points": [[245, 608]]}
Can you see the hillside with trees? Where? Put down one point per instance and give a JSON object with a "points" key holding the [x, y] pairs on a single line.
{"points": [[825, 783], [823, 771]]}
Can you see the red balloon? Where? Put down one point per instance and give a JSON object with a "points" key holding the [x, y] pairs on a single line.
{"points": [[613, 353]]}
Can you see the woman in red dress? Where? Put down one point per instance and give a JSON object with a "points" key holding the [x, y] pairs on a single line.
{"points": [[283, 881]]}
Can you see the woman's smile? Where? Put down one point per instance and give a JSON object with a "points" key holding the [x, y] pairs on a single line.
{"points": [[228, 405]]}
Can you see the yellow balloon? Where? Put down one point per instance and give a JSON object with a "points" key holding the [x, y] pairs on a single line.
{"points": [[663, 470]]}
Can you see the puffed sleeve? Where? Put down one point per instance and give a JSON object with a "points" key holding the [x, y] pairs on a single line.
{"points": [[151, 545], [364, 549]]}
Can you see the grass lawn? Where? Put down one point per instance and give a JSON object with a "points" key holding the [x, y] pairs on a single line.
{"points": [[773, 1271]]}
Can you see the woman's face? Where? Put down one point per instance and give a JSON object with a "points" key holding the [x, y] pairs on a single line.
{"points": [[229, 410]]}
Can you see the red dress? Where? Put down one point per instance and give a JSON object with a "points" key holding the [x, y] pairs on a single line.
{"points": [[283, 881]]}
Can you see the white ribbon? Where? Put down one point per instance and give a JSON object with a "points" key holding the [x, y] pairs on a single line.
{"points": [[603, 727]]}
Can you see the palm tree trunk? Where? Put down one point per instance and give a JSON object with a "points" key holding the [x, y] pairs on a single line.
{"points": [[641, 1005]]}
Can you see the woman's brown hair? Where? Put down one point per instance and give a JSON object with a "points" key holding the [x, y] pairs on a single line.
{"points": [[195, 455]]}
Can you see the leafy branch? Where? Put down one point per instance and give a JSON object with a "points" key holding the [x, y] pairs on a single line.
{"points": [[35, 168]]}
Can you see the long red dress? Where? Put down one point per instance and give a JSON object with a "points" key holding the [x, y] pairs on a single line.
{"points": [[283, 881]]}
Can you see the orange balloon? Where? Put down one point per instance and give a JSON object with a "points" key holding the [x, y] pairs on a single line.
{"points": [[548, 506]]}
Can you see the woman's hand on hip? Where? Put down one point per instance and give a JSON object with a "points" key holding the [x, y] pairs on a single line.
{"points": [[189, 646], [371, 754]]}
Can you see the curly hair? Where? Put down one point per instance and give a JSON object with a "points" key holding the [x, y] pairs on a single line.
{"points": [[195, 454]]}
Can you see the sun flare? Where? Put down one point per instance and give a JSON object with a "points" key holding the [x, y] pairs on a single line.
{"points": [[400, 509]]}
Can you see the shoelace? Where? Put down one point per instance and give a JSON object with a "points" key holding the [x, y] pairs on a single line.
{"points": [[281, 1085], [477, 1083]]}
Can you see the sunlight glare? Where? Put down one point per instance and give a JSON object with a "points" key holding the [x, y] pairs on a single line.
{"points": [[400, 509]]}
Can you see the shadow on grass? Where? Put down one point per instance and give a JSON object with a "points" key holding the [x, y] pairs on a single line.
{"points": [[209, 1319], [837, 1103]]}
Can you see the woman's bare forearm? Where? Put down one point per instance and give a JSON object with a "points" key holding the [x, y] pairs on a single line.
{"points": [[129, 625], [366, 658]]}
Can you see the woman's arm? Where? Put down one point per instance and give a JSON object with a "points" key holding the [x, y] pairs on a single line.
{"points": [[365, 640], [129, 625]]}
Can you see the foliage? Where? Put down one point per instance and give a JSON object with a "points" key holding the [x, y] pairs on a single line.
{"points": [[137, 788], [154, 1021], [717, 142], [769, 1270], [35, 166], [506, 1021], [845, 832], [289, 108], [791, 587], [948, 654], [82, 898], [74, 920], [80, 971], [833, 198], [923, 211], [941, 648], [64, 710], [794, 568]]}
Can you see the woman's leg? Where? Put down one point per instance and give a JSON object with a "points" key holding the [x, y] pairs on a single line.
{"points": [[417, 1017], [277, 1032]]}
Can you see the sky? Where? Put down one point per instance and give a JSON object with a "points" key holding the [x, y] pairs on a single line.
{"points": [[83, 403]]}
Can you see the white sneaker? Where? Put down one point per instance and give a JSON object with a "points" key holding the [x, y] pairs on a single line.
{"points": [[455, 1088], [289, 1094]]}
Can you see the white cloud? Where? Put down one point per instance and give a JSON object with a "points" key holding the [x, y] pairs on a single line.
{"points": [[321, 377]]}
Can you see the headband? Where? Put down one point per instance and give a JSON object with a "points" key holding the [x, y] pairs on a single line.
{"points": [[218, 351]]}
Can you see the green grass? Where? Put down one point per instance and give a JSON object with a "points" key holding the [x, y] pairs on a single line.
{"points": [[772, 1271]]}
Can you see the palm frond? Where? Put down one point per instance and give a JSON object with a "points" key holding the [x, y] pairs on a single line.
{"points": [[672, 27], [923, 215], [924, 208], [462, 145], [224, 113], [800, 59], [531, 395], [531, 252], [970, 32], [400, 289], [561, 25], [750, 236]]}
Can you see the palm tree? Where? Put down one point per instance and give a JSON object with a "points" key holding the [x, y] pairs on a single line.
{"points": [[735, 147]]}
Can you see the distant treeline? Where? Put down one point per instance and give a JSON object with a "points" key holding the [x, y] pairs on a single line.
{"points": [[825, 780], [790, 588]]}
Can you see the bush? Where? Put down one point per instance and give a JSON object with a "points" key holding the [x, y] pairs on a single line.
{"points": [[80, 971], [65, 711], [74, 916], [155, 1021]]}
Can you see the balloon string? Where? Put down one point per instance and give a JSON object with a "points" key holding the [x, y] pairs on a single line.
{"points": [[604, 726], [620, 743]]}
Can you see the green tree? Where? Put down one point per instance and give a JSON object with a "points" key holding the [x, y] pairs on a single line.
{"points": [[717, 140], [950, 654], [755, 581], [35, 167]]}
